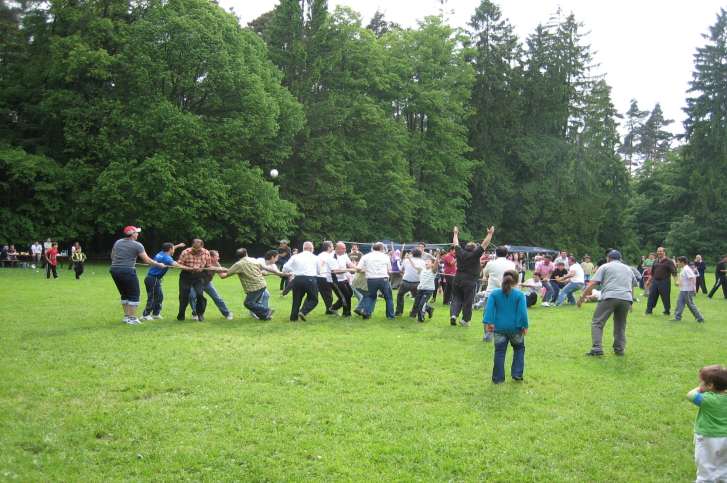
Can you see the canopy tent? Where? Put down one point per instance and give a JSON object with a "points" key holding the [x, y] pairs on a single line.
{"points": [[529, 250]]}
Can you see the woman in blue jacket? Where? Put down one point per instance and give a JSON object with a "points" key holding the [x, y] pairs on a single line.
{"points": [[507, 316]]}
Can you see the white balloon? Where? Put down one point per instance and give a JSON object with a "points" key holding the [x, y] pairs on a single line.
{"points": [[273, 173]]}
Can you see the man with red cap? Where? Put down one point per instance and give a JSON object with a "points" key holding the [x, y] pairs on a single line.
{"points": [[123, 260]]}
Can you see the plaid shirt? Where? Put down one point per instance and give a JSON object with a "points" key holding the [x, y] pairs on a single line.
{"points": [[199, 260], [250, 274]]}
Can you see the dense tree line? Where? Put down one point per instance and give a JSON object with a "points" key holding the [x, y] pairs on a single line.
{"points": [[170, 114]]}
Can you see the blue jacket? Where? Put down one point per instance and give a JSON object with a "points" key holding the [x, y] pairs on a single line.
{"points": [[508, 313]]}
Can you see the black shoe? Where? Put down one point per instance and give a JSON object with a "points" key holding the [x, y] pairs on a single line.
{"points": [[180, 317], [360, 313], [647, 313], [332, 312], [665, 313], [301, 316], [593, 353], [453, 321], [430, 311], [618, 353], [518, 379]]}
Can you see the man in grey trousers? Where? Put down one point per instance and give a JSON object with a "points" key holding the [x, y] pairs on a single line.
{"points": [[616, 282]]}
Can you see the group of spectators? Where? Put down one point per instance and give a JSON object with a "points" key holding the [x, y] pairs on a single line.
{"points": [[45, 255]]}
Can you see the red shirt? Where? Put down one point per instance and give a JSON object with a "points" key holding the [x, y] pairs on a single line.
{"points": [[450, 264], [51, 255]]}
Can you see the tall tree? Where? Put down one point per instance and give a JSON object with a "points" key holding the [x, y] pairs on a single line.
{"points": [[629, 147], [496, 118], [705, 153], [654, 140]]}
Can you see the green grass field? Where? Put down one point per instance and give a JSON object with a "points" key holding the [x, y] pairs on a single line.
{"points": [[87, 398]]}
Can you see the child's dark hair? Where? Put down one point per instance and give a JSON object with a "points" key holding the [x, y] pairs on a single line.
{"points": [[715, 375], [270, 254], [166, 246], [509, 280], [683, 260]]}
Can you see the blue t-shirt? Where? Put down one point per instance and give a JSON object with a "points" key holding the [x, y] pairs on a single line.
{"points": [[508, 312], [161, 257]]}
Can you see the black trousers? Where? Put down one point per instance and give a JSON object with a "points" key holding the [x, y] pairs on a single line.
{"points": [[187, 281], [463, 295], [78, 268], [720, 282], [659, 288], [531, 299], [404, 288], [303, 286], [345, 299], [327, 289], [701, 284], [50, 269], [448, 283]]}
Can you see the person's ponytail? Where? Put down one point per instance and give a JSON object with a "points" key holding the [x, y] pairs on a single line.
{"points": [[509, 280]]}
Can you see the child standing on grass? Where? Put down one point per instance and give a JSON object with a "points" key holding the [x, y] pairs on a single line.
{"points": [[710, 428], [425, 289], [507, 316], [687, 288]]}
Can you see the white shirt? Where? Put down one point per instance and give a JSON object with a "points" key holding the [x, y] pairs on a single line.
{"points": [[376, 264], [326, 263], [303, 264], [36, 248], [580, 275], [494, 270], [412, 266], [341, 262]]}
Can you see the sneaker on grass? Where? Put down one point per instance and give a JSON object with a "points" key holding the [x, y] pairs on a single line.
{"points": [[157, 317], [230, 316]]}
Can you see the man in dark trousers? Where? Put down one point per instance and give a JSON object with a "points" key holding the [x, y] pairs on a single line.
{"points": [[465, 282], [661, 272], [196, 259], [720, 275], [304, 267]]}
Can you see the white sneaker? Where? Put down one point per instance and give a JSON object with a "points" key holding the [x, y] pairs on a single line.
{"points": [[194, 317], [157, 317], [146, 317], [464, 323], [252, 314], [132, 321], [545, 304], [230, 316]]}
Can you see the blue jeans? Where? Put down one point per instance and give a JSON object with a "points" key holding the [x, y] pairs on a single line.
{"points": [[257, 303], [209, 290], [154, 295], [127, 284], [517, 340], [567, 291], [554, 290], [377, 285]]}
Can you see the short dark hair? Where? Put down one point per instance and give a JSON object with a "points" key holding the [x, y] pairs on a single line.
{"points": [[378, 246], [682, 259], [501, 251], [416, 253], [715, 375], [326, 245], [270, 254], [166, 246], [241, 252]]}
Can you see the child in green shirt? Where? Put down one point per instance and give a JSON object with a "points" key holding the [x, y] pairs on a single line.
{"points": [[710, 428]]}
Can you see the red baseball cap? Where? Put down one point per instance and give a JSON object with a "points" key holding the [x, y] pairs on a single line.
{"points": [[130, 230]]}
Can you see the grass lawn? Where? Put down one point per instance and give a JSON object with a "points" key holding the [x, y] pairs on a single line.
{"points": [[85, 397]]}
